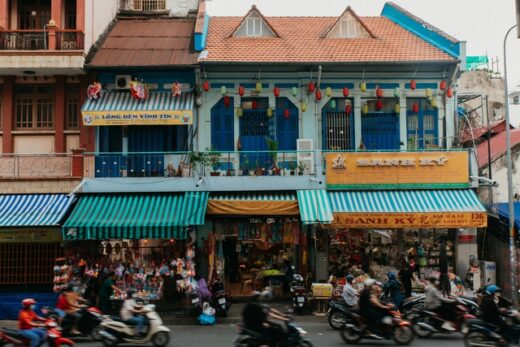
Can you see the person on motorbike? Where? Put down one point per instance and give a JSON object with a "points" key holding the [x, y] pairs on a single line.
{"points": [[491, 313], [349, 294], [438, 303], [68, 302], [131, 312], [371, 309], [30, 324], [393, 289], [268, 322]]}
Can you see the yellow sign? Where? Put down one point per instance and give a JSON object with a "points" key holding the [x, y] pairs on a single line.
{"points": [[30, 236], [382, 170], [411, 220], [173, 117]]}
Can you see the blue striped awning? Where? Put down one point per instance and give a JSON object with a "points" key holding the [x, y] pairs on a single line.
{"points": [[33, 210], [406, 201], [120, 108], [315, 207]]}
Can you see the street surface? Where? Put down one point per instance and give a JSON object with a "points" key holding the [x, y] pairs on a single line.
{"points": [[320, 334]]}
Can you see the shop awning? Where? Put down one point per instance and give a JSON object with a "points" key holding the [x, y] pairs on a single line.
{"points": [[315, 207], [120, 108], [33, 210], [448, 208], [503, 212], [135, 216], [253, 204]]}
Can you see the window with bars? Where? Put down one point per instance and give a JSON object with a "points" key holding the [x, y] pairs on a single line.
{"points": [[72, 113], [149, 5], [34, 107], [337, 125]]}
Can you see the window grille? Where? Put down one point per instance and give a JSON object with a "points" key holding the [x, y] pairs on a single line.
{"points": [[337, 131], [149, 5]]}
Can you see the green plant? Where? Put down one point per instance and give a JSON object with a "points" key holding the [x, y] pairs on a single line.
{"points": [[214, 158], [272, 145], [292, 166], [197, 158], [301, 166]]}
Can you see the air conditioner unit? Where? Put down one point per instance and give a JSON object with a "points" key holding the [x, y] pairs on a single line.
{"points": [[304, 157], [123, 82]]}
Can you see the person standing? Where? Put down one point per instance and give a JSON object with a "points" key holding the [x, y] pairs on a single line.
{"points": [[405, 276], [30, 324], [107, 290]]}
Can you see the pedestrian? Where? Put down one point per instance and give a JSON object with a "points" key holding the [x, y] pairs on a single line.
{"points": [[106, 292], [405, 276]]}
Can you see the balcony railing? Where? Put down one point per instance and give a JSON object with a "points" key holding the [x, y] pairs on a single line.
{"points": [[143, 6], [70, 40], [63, 40], [39, 166]]}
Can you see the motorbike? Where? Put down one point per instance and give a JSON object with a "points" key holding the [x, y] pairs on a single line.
{"points": [[426, 322], [295, 337], [397, 329], [115, 331], [338, 314], [54, 337], [220, 298], [299, 293], [481, 334], [87, 325]]}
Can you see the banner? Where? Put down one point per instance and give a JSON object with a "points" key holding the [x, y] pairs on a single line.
{"points": [[397, 170], [29, 236], [411, 220], [158, 117]]}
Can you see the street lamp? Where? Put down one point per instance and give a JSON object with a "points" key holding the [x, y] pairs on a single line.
{"points": [[512, 248]]}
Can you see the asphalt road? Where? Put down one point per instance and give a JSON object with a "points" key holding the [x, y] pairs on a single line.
{"points": [[320, 334]]}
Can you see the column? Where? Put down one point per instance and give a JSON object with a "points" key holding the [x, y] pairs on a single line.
{"points": [[59, 115], [80, 15], [358, 134], [57, 12], [87, 134], [7, 114], [402, 121], [4, 14]]}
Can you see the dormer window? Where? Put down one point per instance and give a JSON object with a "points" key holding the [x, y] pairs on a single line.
{"points": [[348, 27], [254, 25], [148, 5]]}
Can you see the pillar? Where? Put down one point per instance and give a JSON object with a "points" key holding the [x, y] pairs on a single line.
{"points": [[4, 14], [80, 15], [7, 114], [57, 12], [358, 134], [87, 133], [59, 115]]}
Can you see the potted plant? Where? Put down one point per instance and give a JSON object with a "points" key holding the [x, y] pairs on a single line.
{"points": [[214, 161], [259, 171], [198, 158], [272, 145], [292, 167], [301, 168]]}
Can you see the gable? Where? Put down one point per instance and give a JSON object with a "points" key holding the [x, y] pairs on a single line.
{"points": [[254, 25], [349, 26]]}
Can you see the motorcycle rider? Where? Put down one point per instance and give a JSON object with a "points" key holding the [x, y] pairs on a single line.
{"points": [[436, 302], [393, 289], [30, 324], [349, 294], [491, 313], [371, 309], [130, 312], [268, 322], [68, 302]]}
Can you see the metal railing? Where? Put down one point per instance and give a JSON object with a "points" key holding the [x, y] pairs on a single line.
{"points": [[70, 40], [23, 40]]}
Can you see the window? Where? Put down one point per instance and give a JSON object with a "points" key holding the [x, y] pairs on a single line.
{"points": [[421, 127], [222, 127], [34, 14], [34, 107], [337, 125], [70, 15], [516, 99], [254, 26], [149, 5], [72, 113], [348, 27]]}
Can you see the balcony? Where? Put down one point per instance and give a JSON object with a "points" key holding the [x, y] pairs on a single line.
{"points": [[30, 40]]}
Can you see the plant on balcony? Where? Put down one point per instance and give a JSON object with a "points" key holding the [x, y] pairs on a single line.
{"points": [[272, 145], [259, 171], [198, 158], [301, 168], [292, 167], [214, 161]]}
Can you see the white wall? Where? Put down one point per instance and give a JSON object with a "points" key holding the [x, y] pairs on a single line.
{"points": [[180, 8], [98, 15], [499, 171]]}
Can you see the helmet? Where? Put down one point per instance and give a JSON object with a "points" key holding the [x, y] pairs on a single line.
{"points": [[350, 278], [391, 275], [26, 303], [492, 289], [369, 282]]}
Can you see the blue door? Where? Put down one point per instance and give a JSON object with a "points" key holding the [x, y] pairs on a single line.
{"points": [[380, 131], [255, 129], [223, 131], [422, 127], [141, 141], [111, 162]]}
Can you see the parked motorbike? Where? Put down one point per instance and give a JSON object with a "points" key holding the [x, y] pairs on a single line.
{"points": [[54, 337], [220, 298], [115, 331], [87, 325], [294, 338], [338, 314], [299, 293], [398, 329]]}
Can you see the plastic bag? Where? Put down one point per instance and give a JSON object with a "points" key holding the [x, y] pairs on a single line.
{"points": [[205, 319]]}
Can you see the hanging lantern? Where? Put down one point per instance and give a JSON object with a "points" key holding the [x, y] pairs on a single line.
{"points": [[311, 87], [379, 92], [318, 95], [428, 92], [276, 91], [258, 87], [433, 102], [363, 86], [241, 90], [254, 104], [413, 84], [415, 107], [379, 104], [286, 113], [294, 91], [269, 112], [240, 112], [303, 106], [333, 104], [364, 109], [223, 90], [346, 92], [226, 101], [328, 92], [205, 86], [443, 85], [397, 108], [449, 92], [397, 92], [348, 109], [198, 101]]}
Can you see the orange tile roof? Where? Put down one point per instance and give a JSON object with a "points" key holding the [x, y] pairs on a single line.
{"points": [[300, 40]]}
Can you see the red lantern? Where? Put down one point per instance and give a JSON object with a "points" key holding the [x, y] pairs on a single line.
{"points": [[415, 107], [286, 114], [311, 87], [205, 86], [379, 105], [226, 101], [276, 91], [413, 84], [346, 92], [449, 92], [348, 109], [379, 92], [241, 90], [443, 85], [318, 95], [254, 104]]}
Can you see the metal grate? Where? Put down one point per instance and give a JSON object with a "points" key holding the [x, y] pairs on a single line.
{"points": [[254, 123], [380, 131], [337, 128], [149, 5]]}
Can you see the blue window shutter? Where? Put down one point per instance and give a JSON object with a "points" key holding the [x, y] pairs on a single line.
{"points": [[222, 127], [286, 129]]}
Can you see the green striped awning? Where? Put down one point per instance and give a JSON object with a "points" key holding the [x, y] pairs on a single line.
{"points": [[315, 207], [135, 216]]}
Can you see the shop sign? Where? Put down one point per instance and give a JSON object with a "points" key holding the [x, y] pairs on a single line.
{"points": [[467, 239], [29, 236], [397, 170], [411, 220], [171, 117]]}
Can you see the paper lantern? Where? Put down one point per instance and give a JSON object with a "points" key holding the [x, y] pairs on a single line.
{"points": [[397, 92], [294, 91], [276, 91], [413, 84], [428, 92], [379, 92], [223, 90], [205, 86], [363, 86], [303, 106], [443, 85], [333, 104], [328, 92], [379, 104], [286, 113], [226, 101], [269, 112], [415, 107], [397, 108], [318, 95], [346, 92], [348, 109], [240, 112], [433, 102], [449, 92], [258, 87], [364, 109], [311, 87], [241, 90]]}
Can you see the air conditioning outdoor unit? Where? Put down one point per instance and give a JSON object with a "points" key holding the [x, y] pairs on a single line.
{"points": [[123, 82]]}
